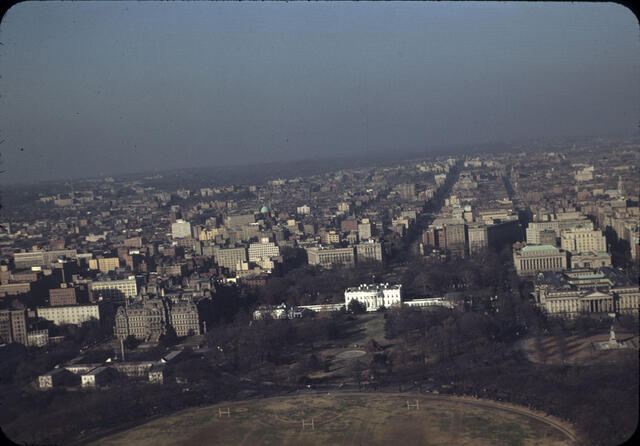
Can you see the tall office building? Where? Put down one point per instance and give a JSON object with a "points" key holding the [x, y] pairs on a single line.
{"points": [[429, 237], [41, 258], [115, 290], [104, 264], [478, 238], [263, 250], [230, 257], [13, 326], [535, 229], [329, 257], [5, 274], [406, 191], [330, 238], [62, 296], [349, 225], [548, 237], [239, 220], [456, 239], [583, 239], [69, 314], [364, 230], [11, 289], [369, 251], [181, 229]]}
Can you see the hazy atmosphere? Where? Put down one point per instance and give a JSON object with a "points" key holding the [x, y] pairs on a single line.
{"points": [[114, 87], [309, 223]]}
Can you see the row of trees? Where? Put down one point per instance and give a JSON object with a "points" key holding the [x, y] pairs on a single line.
{"points": [[474, 353], [241, 349], [484, 274], [301, 286], [313, 285]]}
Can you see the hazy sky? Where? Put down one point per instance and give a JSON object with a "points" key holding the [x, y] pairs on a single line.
{"points": [[108, 87]]}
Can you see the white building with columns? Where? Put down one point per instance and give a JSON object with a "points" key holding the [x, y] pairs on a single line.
{"points": [[373, 296], [586, 291], [532, 259], [572, 303]]}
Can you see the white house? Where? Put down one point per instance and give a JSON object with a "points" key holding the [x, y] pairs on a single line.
{"points": [[374, 296]]}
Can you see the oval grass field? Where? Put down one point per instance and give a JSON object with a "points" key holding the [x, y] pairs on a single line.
{"points": [[349, 419]]}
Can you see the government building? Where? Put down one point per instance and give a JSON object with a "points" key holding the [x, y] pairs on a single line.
{"points": [[583, 239], [374, 296], [69, 314], [586, 291], [144, 320], [114, 290], [230, 258], [532, 259], [147, 320], [329, 257], [369, 251]]}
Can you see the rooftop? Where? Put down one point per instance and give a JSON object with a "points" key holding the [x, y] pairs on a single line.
{"points": [[102, 282], [572, 279], [589, 276], [374, 287], [534, 248], [592, 253]]}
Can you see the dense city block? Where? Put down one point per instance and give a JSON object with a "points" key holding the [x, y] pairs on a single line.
{"points": [[216, 291]]}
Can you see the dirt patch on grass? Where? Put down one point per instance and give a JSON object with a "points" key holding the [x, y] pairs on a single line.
{"points": [[349, 354]]}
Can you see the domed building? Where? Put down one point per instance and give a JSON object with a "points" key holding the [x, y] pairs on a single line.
{"points": [[265, 210]]}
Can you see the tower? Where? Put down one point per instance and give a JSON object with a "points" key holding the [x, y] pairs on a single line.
{"points": [[620, 186]]}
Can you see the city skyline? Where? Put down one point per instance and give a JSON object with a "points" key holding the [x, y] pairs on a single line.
{"points": [[310, 223], [455, 274]]}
